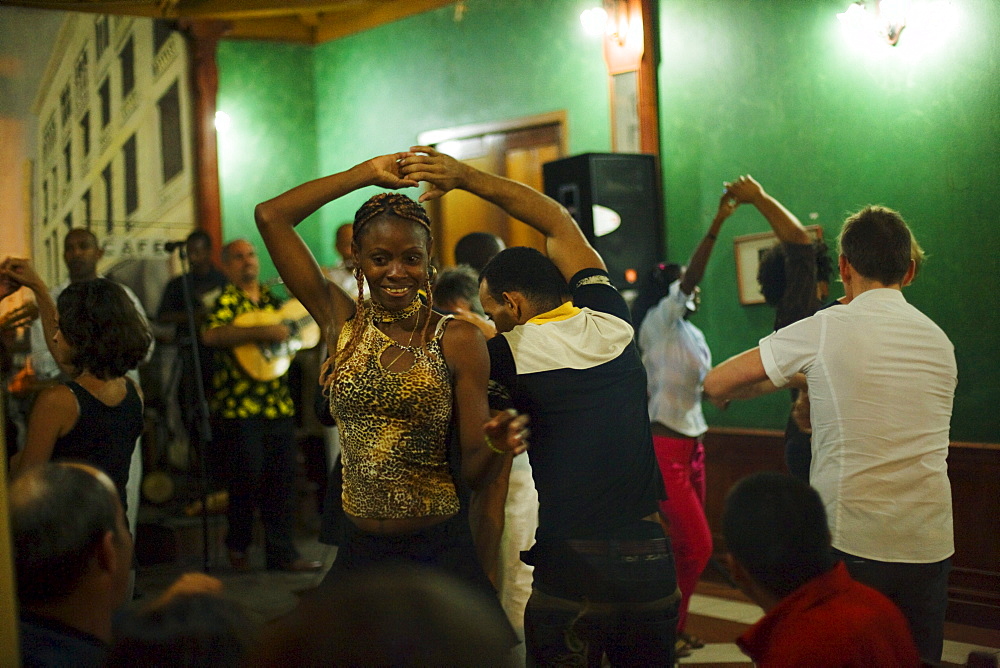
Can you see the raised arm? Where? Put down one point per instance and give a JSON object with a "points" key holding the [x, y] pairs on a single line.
{"points": [[21, 272], [784, 223], [699, 258], [276, 219], [564, 241], [480, 436]]}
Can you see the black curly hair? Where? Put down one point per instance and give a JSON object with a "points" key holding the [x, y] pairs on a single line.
{"points": [[654, 289], [771, 271], [98, 319]]}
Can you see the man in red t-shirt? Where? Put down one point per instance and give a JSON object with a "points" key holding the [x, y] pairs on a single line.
{"points": [[779, 549]]}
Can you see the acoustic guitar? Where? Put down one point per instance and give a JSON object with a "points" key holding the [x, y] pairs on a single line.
{"points": [[267, 361]]}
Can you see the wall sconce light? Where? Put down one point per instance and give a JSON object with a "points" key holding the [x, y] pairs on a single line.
{"points": [[223, 121], [594, 21], [611, 19], [885, 18]]}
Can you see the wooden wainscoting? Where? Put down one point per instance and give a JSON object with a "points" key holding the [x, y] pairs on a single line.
{"points": [[974, 469]]}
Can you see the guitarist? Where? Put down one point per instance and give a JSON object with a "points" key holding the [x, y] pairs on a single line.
{"points": [[252, 421]]}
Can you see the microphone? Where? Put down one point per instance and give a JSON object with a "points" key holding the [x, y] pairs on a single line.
{"points": [[171, 246]]}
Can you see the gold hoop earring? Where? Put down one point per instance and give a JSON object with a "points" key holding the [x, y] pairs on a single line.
{"points": [[432, 273]]}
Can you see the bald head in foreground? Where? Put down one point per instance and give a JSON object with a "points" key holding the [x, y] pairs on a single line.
{"points": [[72, 556]]}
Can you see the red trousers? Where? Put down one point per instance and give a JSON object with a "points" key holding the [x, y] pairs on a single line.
{"points": [[682, 464]]}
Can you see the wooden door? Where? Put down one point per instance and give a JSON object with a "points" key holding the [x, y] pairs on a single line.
{"points": [[517, 152]]}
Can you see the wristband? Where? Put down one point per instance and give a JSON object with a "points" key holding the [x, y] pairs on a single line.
{"points": [[489, 444]]}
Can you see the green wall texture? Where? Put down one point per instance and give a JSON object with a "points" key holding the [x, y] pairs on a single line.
{"points": [[771, 87], [377, 91], [777, 90], [324, 109], [268, 91]]}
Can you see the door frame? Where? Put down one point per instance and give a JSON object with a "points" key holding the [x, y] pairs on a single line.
{"points": [[557, 118], [554, 122]]}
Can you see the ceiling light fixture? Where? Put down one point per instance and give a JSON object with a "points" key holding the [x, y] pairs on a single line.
{"points": [[885, 18]]}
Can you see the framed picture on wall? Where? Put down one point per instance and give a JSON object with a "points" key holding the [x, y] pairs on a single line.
{"points": [[749, 248]]}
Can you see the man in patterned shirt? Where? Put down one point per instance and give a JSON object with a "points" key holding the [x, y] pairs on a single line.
{"points": [[253, 430]]}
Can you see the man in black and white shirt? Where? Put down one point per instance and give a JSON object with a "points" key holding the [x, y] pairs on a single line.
{"points": [[604, 579]]}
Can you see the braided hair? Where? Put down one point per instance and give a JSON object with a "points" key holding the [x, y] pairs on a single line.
{"points": [[384, 204]]}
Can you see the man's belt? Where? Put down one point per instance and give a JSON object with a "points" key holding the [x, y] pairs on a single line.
{"points": [[621, 548]]}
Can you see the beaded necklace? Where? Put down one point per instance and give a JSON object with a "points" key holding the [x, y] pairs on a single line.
{"points": [[379, 314]]}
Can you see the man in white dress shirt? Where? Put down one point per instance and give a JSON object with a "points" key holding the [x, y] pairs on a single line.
{"points": [[882, 379]]}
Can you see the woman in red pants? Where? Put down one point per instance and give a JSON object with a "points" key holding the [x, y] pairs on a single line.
{"points": [[677, 358]]}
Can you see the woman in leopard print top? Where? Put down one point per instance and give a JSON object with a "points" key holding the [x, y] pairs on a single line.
{"points": [[401, 378]]}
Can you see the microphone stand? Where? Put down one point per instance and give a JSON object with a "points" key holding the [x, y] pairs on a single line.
{"points": [[204, 426]]}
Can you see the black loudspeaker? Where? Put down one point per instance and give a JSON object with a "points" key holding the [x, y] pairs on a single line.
{"points": [[615, 197]]}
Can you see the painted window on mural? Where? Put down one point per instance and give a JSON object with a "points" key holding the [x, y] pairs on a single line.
{"points": [[109, 221], [104, 92], [127, 59], [102, 34], [171, 151], [131, 176]]}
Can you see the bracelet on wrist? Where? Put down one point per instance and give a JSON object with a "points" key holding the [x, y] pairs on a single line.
{"points": [[489, 444]]}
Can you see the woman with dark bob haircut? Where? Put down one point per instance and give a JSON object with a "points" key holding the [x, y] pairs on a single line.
{"points": [[96, 337]]}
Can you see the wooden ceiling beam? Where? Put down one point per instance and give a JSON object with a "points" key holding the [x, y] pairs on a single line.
{"points": [[264, 9], [302, 21], [278, 29], [377, 14]]}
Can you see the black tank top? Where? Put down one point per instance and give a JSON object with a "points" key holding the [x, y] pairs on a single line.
{"points": [[103, 435]]}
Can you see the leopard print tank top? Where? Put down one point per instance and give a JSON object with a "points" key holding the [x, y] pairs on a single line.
{"points": [[393, 428]]}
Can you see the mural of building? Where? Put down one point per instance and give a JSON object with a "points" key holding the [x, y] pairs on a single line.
{"points": [[114, 148]]}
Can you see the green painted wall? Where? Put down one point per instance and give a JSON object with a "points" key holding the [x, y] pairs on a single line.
{"points": [[771, 87], [377, 91], [777, 90], [300, 112], [267, 89]]}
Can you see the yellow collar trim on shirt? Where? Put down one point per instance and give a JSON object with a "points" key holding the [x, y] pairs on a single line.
{"points": [[564, 312]]}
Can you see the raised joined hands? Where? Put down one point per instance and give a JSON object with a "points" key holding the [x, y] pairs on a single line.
{"points": [[386, 172], [745, 190], [441, 171], [16, 272]]}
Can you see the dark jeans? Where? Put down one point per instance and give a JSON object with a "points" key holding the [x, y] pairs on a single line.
{"points": [[619, 600], [255, 459], [920, 591], [446, 546]]}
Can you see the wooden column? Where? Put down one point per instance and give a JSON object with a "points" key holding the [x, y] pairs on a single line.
{"points": [[203, 38], [630, 54]]}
